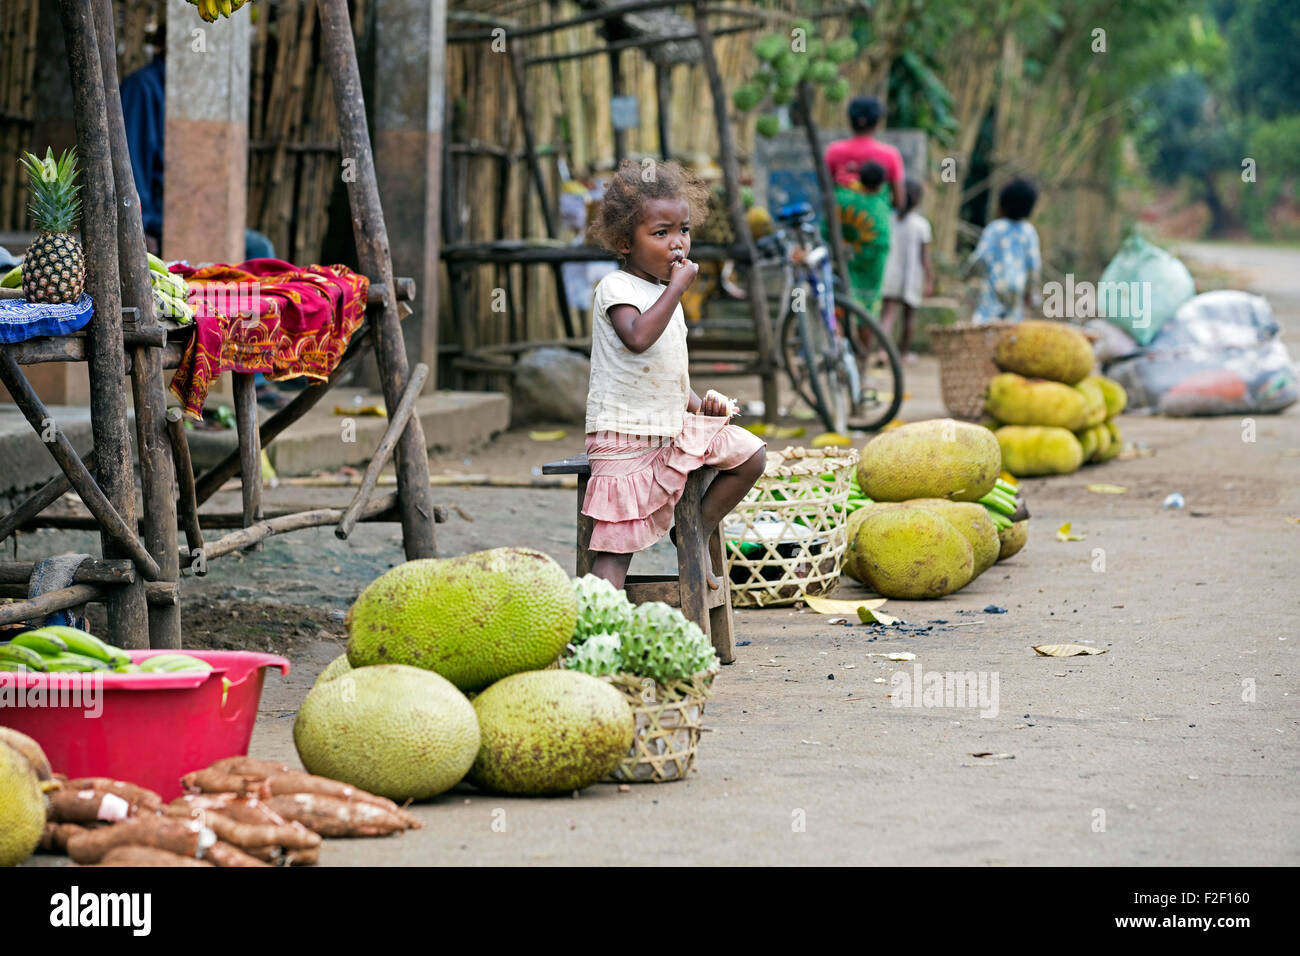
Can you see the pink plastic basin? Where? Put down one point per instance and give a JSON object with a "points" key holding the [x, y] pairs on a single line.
{"points": [[148, 729]]}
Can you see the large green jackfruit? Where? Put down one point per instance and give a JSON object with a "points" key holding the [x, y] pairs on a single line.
{"points": [[473, 619], [913, 554], [1029, 450], [1015, 400], [1040, 349], [940, 458]]}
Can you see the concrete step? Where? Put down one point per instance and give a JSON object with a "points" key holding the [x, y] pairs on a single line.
{"points": [[320, 440]]}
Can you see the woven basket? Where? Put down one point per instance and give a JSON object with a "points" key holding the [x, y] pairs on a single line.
{"points": [[786, 539], [965, 354], [669, 720]]}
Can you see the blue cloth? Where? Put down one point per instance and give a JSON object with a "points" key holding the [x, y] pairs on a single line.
{"points": [[1008, 252], [144, 110], [21, 320]]}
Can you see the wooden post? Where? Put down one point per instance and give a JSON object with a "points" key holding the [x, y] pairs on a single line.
{"points": [[663, 95], [184, 467], [147, 391], [767, 367], [387, 443], [830, 208], [250, 449], [373, 256], [128, 615], [616, 89], [539, 180]]}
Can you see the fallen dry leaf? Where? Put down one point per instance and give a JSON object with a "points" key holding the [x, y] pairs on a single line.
{"points": [[1065, 650], [1063, 533], [872, 616], [832, 606], [993, 756], [548, 436], [1108, 489], [832, 440]]}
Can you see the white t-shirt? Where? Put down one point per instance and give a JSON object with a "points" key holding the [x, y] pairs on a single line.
{"points": [[630, 393], [904, 273]]}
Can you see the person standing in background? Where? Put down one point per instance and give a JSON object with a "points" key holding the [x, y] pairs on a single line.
{"points": [[846, 157]]}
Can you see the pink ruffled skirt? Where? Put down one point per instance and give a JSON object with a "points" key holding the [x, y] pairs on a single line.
{"points": [[636, 481]]}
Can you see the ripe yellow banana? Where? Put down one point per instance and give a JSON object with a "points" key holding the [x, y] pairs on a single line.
{"points": [[225, 7]]}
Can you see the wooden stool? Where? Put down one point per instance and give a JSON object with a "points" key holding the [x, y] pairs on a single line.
{"points": [[688, 589]]}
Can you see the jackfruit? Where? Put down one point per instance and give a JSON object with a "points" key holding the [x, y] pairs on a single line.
{"points": [[746, 97], [822, 71], [837, 90], [913, 554], [1039, 349], [399, 732], [1113, 392], [768, 125], [970, 518], [30, 749], [334, 668], [1013, 539], [22, 807], [1029, 450], [1116, 443], [473, 619], [768, 48], [1088, 441], [1094, 403], [550, 731], [1015, 400], [940, 458]]}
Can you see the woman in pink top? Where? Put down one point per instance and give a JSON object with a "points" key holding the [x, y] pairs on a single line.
{"points": [[846, 157]]}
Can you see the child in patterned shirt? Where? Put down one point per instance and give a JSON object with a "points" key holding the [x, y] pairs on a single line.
{"points": [[1009, 258]]}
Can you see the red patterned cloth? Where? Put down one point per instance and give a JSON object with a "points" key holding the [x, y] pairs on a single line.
{"points": [[267, 316]]}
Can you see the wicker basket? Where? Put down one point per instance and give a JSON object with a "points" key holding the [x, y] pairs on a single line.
{"points": [[786, 539], [669, 720], [965, 354]]}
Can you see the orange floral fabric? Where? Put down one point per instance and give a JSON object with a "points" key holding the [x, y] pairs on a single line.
{"points": [[268, 316]]}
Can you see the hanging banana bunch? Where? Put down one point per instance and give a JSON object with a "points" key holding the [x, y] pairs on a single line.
{"points": [[209, 10]]}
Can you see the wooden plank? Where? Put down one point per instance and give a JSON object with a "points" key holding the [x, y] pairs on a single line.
{"points": [[120, 571], [720, 620], [128, 618], [384, 451], [59, 600], [339, 51], [641, 591]]}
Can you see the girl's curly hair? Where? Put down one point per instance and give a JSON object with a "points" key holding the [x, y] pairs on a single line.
{"points": [[632, 185]]}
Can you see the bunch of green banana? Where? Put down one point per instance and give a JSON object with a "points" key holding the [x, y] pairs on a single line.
{"points": [[173, 663], [209, 10], [170, 293], [1002, 502], [59, 648]]}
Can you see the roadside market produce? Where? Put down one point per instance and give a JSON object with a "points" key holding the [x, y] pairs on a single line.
{"points": [[1094, 402], [549, 731], [209, 10], [29, 749], [333, 669], [54, 268], [940, 458], [655, 641], [912, 553], [22, 808], [1030, 450], [602, 608], [396, 731], [1112, 392], [1036, 348], [1012, 539], [1015, 400], [61, 649], [473, 619], [96, 799]]}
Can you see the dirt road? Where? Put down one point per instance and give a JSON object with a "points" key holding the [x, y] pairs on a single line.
{"points": [[1176, 746]]}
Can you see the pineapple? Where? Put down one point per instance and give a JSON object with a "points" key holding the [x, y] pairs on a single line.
{"points": [[54, 269]]}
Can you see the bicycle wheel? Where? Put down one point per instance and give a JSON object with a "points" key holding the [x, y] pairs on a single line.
{"points": [[823, 371], [882, 382]]}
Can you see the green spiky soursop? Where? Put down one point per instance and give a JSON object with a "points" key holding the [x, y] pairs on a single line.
{"points": [[599, 654], [660, 643], [602, 609]]}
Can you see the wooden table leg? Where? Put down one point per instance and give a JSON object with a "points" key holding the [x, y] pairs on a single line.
{"points": [[250, 450], [582, 561], [720, 621], [691, 554]]}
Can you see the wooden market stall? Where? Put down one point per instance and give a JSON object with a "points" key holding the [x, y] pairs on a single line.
{"points": [[138, 575]]}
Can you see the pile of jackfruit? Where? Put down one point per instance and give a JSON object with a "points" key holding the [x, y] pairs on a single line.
{"points": [[1049, 413]]}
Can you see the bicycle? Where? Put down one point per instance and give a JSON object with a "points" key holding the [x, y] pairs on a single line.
{"points": [[821, 360]]}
